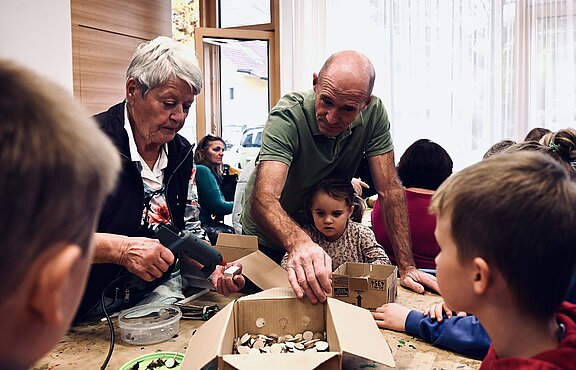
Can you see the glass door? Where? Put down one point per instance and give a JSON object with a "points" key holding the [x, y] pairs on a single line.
{"points": [[237, 94]]}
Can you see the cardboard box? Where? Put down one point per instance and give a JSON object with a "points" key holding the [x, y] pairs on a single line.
{"points": [[354, 339], [256, 266], [364, 284]]}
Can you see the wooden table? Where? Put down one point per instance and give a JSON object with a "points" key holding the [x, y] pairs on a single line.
{"points": [[414, 353], [86, 346]]}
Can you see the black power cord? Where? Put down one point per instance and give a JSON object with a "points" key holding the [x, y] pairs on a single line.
{"points": [[170, 179], [109, 320]]}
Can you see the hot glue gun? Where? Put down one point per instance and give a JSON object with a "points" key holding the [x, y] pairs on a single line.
{"points": [[188, 244]]}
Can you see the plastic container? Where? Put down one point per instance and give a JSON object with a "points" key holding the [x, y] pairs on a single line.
{"points": [[148, 324]]}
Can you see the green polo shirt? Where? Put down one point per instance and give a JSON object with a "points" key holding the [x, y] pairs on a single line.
{"points": [[291, 136]]}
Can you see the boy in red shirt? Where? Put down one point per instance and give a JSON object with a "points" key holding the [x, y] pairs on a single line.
{"points": [[506, 231]]}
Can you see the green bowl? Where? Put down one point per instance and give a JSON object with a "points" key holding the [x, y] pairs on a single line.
{"points": [[144, 360]]}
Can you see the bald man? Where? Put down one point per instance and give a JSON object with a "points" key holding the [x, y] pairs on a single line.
{"points": [[312, 135]]}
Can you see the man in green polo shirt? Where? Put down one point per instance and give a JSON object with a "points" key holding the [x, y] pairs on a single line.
{"points": [[312, 135]]}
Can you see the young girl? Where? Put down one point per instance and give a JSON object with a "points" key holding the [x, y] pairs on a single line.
{"points": [[331, 204]]}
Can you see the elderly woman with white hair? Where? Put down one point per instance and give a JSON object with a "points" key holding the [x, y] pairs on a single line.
{"points": [[157, 169]]}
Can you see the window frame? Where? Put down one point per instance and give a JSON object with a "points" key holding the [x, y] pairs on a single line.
{"points": [[209, 62]]}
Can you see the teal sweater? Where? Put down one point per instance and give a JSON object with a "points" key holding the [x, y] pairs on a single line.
{"points": [[210, 196]]}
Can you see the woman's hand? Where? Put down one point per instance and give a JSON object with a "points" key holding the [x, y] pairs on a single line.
{"points": [[228, 284], [145, 258]]}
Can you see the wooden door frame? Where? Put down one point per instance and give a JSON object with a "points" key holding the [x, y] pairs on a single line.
{"points": [[209, 64]]}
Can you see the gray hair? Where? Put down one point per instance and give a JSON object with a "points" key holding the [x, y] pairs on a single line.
{"points": [[154, 62]]}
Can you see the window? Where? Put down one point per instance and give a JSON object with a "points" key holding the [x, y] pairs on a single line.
{"points": [[234, 13], [258, 141], [464, 73], [247, 142], [236, 46]]}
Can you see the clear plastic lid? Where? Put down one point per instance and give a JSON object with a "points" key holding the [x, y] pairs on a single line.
{"points": [[150, 316]]}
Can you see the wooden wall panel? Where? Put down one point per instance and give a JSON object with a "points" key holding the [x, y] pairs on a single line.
{"points": [[105, 34], [139, 18], [102, 59]]}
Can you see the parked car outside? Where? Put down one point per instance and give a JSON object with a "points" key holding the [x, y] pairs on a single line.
{"points": [[250, 144], [231, 156]]}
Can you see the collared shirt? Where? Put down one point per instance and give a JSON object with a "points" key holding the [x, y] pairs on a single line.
{"points": [[156, 208], [291, 136], [153, 178], [356, 244]]}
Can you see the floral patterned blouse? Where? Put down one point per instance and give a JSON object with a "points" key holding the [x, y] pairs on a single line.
{"points": [[357, 244]]}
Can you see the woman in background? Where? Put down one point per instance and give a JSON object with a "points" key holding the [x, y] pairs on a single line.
{"points": [[422, 168], [213, 206]]}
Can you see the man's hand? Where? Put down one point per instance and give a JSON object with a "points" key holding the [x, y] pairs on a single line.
{"points": [[309, 272], [309, 267], [227, 284], [436, 312], [391, 316], [416, 280], [145, 258]]}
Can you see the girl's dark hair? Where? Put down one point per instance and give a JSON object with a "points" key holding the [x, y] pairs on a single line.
{"points": [[562, 148], [199, 157], [341, 189], [536, 134], [425, 165], [498, 147], [564, 143]]}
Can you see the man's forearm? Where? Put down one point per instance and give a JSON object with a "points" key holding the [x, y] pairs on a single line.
{"points": [[271, 217], [395, 216]]}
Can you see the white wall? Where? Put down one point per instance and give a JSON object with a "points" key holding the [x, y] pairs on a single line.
{"points": [[37, 34]]}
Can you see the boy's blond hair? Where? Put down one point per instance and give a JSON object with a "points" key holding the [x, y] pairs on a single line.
{"points": [[56, 167], [518, 212]]}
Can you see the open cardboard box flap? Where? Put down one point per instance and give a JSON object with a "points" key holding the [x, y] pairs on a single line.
{"points": [[256, 266], [353, 323], [207, 344], [280, 292], [355, 340], [234, 246]]}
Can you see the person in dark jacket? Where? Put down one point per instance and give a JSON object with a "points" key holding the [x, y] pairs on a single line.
{"points": [[157, 172]]}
